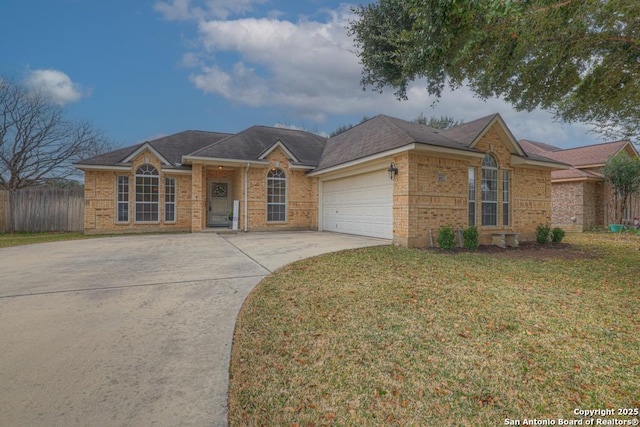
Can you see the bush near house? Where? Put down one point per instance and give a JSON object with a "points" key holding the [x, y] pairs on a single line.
{"points": [[543, 232], [471, 240], [557, 234], [446, 238]]}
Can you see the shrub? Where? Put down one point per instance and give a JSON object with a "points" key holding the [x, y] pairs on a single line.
{"points": [[557, 234], [446, 238], [470, 237], [542, 234]]}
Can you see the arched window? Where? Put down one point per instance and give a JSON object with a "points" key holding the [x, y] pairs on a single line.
{"points": [[276, 195], [147, 194], [489, 191]]}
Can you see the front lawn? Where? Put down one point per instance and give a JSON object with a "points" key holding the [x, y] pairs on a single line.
{"points": [[389, 336], [19, 239]]}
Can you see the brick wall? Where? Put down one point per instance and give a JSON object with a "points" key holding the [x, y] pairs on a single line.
{"points": [[590, 202], [100, 201], [433, 194], [302, 197], [432, 191]]}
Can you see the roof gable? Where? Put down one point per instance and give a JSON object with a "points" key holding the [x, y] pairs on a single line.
{"points": [[280, 145], [470, 133], [141, 149]]}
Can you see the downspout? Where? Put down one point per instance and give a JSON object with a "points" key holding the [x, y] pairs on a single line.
{"points": [[246, 197]]}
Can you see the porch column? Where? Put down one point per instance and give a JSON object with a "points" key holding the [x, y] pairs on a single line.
{"points": [[196, 197]]}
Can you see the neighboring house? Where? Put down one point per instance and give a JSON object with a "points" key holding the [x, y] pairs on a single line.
{"points": [[385, 178], [582, 199]]}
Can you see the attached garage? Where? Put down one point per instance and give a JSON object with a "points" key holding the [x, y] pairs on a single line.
{"points": [[359, 204]]}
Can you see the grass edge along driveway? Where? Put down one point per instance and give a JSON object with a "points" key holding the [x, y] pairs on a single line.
{"points": [[389, 336]]}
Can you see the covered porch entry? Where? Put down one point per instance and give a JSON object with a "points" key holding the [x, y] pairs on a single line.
{"points": [[215, 189]]}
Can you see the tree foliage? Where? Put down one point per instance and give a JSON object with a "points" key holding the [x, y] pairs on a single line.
{"points": [[442, 122], [579, 59], [623, 172], [37, 142]]}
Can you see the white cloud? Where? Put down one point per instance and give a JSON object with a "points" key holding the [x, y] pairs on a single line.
{"points": [[309, 67], [182, 10], [306, 65], [56, 85]]}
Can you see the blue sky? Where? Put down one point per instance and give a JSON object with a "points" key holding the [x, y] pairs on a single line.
{"points": [[141, 69]]}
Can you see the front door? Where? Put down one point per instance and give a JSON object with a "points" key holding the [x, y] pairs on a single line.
{"points": [[218, 212]]}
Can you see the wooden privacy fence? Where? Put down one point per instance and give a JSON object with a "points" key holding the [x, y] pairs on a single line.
{"points": [[41, 209]]}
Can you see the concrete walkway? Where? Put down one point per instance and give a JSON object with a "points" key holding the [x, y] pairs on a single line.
{"points": [[132, 330]]}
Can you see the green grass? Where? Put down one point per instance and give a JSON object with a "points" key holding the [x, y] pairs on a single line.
{"points": [[390, 336], [19, 239]]}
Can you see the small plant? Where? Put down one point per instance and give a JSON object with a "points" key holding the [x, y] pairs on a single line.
{"points": [[542, 234], [557, 234], [470, 237], [446, 238]]}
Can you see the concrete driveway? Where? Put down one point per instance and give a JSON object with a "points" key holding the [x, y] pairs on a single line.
{"points": [[132, 330]]}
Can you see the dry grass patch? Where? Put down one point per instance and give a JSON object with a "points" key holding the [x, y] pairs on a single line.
{"points": [[388, 336]]}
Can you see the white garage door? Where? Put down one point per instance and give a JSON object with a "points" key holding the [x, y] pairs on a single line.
{"points": [[360, 204]]}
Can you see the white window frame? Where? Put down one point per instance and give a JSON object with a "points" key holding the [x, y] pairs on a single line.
{"points": [[276, 180], [489, 214], [122, 198], [147, 178], [473, 212], [506, 196], [170, 183]]}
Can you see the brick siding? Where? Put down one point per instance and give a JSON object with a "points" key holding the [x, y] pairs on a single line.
{"points": [[100, 200], [429, 191]]}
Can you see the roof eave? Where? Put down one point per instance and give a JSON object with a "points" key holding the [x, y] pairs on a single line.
{"points": [[301, 167], [454, 152], [418, 147], [188, 160], [83, 166], [580, 179], [589, 166], [362, 160], [523, 161]]}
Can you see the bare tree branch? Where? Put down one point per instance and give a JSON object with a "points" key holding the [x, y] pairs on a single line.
{"points": [[37, 142]]}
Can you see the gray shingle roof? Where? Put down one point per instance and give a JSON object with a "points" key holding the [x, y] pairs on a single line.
{"points": [[251, 143], [171, 147], [379, 134], [466, 133], [375, 136]]}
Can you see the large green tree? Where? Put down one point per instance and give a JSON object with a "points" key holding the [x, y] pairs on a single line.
{"points": [[579, 59]]}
